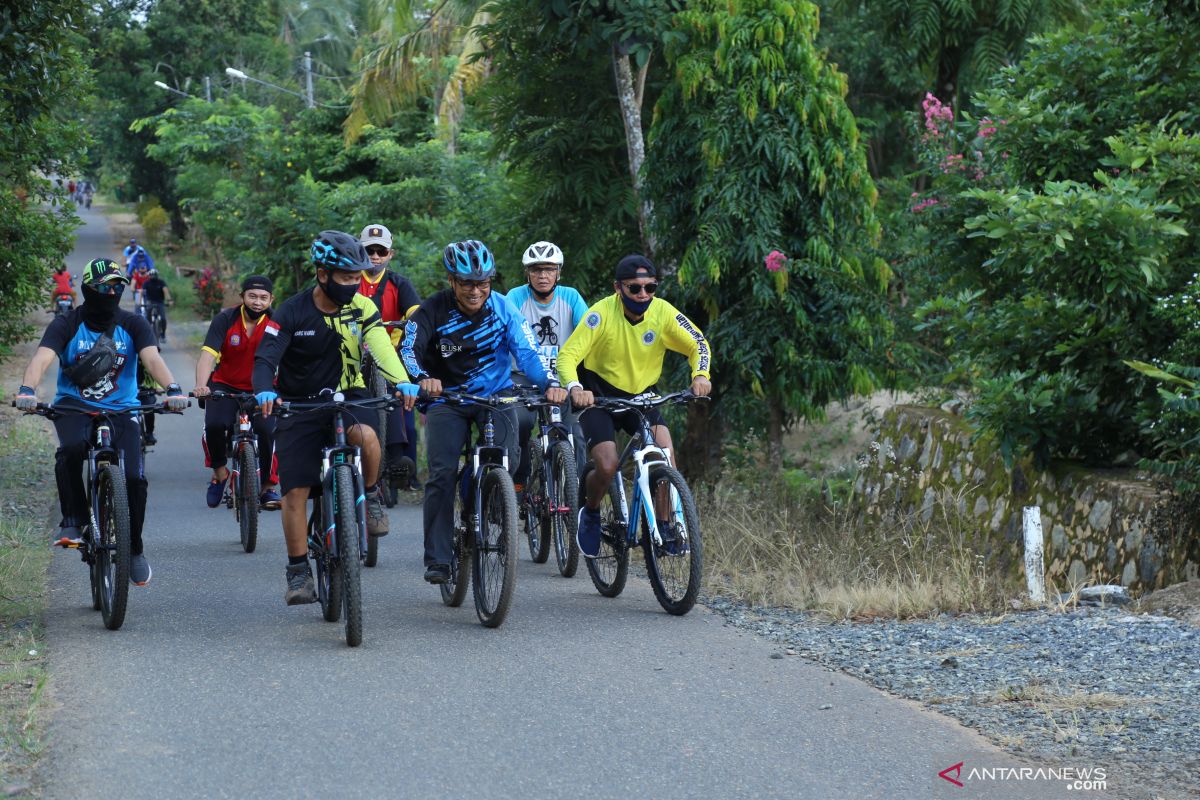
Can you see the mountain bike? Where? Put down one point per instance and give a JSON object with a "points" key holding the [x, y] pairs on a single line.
{"points": [[549, 506], [485, 521], [244, 488], [158, 321], [105, 543], [337, 524], [671, 545]]}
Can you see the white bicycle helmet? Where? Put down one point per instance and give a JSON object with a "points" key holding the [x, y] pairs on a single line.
{"points": [[542, 253]]}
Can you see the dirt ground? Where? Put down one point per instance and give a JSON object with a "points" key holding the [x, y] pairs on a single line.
{"points": [[1181, 601]]}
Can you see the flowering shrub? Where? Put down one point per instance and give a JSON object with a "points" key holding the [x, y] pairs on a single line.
{"points": [[210, 293], [776, 261]]}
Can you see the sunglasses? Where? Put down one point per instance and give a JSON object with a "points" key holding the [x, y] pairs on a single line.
{"points": [[109, 288], [375, 250], [637, 288], [473, 287]]}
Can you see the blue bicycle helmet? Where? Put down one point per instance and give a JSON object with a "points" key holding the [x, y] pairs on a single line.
{"points": [[469, 261], [337, 250]]}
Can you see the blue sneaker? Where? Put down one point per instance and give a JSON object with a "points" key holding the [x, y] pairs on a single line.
{"points": [[270, 500], [139, 570], [672, 545], [587, 532], [216, 490]]}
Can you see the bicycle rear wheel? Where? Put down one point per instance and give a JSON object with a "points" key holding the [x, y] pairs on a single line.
{"points": [[113, 538], [495, 563], [676, 566], [247, 497], [454, 591], [563, 515], [348, 561], [536, 504], [610, 569]]}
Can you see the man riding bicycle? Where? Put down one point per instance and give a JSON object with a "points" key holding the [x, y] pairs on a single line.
{"points": [[71, 339], [157, 296], [395, 297], [552, 312], [64, 286], [136, 257], [315, 341], [464, 339], [226, 364], [618, 352]]}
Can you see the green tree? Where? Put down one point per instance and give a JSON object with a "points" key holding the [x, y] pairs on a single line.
{"points": [[762, 191], [44, 79]]}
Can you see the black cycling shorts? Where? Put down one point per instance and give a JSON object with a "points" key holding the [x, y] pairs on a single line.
{"points": [[601, 424], [299, 440]]}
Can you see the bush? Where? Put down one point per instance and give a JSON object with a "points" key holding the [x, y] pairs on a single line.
{"points": [[154, 222], [210, 294]]}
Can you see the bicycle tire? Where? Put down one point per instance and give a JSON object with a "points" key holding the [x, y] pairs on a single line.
{"points": [[321, 562], [494, 566], [348, 560], [95, 580], [247, 497], [454, 591], [113, 553], [537, 503], [329, 579], [609, 570], [561, 525], [675, 576]]}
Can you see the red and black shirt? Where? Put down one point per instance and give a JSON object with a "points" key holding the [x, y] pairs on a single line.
{"points": [[233, 348], [393, 294]]}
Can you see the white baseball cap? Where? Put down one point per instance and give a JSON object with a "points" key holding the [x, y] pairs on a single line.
{"points": [[376, 234]]}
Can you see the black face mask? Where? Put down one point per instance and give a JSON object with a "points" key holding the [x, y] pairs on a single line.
{"points": [[99, 309], [251, 313], [636, 306], [337, 293]]}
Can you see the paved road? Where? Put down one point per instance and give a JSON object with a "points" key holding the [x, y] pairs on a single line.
{"points": [[214, 688]]}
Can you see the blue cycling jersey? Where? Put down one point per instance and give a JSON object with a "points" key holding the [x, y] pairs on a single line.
{"points": [[71, 339]]}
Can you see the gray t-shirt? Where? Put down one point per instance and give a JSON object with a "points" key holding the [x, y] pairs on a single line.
{"points": [[552, 322]]}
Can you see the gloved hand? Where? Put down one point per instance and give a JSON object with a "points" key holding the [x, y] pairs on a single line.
{"points": [[26, 399], [176, 399], [409, 392], [266, 401]]}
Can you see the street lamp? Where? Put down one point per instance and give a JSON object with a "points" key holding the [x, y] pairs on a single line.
{"points": [[241, 76], [173, 90]]}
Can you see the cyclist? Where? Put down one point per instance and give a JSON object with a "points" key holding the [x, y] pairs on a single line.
{"points": [[395, 297], [138, 280], [618, 352], [70, 339], [315, 342], [136, 256], [552, 312], [463, 338], [64, 286], [157, 297], [226, 364]]}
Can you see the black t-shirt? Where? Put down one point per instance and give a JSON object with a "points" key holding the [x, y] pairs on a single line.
{"points": [[155, 288]]}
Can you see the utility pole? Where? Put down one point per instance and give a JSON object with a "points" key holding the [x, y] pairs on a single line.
{"points": [[308, 87], [207, 89]]}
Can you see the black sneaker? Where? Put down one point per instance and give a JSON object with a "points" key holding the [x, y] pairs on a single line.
{"points": [[139, 570], [437, 573], [150, 439], [301, 588], [414, 485], [401, 471]]}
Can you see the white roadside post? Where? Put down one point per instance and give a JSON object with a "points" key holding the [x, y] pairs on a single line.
{"points": [[1035, 566]]}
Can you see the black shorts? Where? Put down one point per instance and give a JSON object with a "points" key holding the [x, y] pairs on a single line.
{"points": [[601, 424], [299, 440]]}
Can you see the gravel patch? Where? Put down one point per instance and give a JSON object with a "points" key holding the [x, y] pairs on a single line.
{"points": [[1093, 684]]}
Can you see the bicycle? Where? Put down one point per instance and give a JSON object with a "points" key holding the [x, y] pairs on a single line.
{"points": [[549, 506], [244, 488], [673, 550], [105, 544], [485, 498], [337, 524], [158, 321], [377, 385]]}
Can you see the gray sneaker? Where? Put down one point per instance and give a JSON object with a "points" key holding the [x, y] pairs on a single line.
{"points": [[377, 520], [301, 588], [139, 570]]}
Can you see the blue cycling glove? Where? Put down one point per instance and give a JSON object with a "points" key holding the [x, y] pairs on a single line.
{"points": [[266, 397], [408, 389]]}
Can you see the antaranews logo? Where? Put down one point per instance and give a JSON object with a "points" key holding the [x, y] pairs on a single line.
{"points": [[1072, 778]]}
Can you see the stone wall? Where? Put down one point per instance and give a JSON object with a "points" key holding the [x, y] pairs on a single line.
{"points": [[1100, 526]]}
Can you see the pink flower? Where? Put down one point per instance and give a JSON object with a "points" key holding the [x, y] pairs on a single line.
{"points": [[935, 113], [924, 204], [775, 261], [986, 128]]}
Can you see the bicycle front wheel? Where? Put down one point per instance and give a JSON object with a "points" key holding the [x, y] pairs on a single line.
{"points": [[536, 503], [495, 562], [675, 567], [564, 508], [113, 542], [610, 568], [247, 497], [348, 561]]}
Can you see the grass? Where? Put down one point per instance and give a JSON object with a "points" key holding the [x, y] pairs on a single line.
{"points": [[767, 543], [26, 489]]}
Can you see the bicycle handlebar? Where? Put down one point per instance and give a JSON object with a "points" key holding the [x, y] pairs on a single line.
{"points": [[53, 412], [653, 401], [462, 398], [286, 408]]}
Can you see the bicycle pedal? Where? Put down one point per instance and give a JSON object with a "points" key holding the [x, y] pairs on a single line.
{"points": [[68, 544]]}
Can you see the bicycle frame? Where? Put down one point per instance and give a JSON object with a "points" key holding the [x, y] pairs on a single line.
{"points": [[242, 437], [101, 453], [484, 457]]}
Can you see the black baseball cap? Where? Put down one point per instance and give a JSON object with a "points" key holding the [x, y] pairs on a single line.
{"points": [[258, 282], [635, 266]]}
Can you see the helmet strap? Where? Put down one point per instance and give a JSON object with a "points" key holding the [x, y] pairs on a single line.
{"points": [[543, 296]]}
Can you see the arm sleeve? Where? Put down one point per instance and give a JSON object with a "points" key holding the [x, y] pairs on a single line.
{"points": [[416, 337], [270, 350], [684, 337], [524, 347], [218, 329], [571, 354], [57, 335]]}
